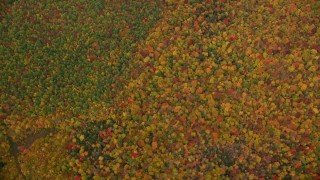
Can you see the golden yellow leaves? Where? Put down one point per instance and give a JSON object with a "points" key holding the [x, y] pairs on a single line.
{"points": [[81, 137], [226, 107], [291, 68], [206, 54], [135, 108], [211, 101], [303, 86], [174, 2], [162, 60], [212, 79], [177, 109], [116, 167], [100, 158]]}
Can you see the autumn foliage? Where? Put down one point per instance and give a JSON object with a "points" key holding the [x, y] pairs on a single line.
{"points": [[163, 89]]}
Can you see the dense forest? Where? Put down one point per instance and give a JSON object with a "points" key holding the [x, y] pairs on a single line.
{"points": [[159, 89]]}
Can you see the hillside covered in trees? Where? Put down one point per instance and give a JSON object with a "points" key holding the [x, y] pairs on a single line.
{"points": [[153, 89]]}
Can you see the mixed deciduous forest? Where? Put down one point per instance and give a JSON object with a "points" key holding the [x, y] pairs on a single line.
{"points": [[159, 89]]}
